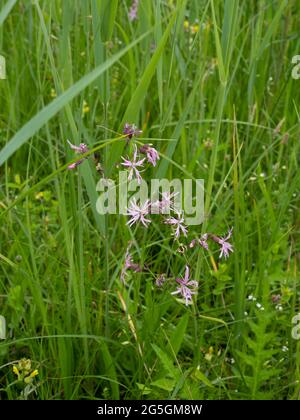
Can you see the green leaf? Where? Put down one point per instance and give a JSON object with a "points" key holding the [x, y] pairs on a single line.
{"points": [[166, 362], [165, 384], [6, 10], [178, 335], [201, 377]]}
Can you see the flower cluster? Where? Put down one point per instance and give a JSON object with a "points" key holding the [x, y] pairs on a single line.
{"points": [[139, 212], [23, 370]]}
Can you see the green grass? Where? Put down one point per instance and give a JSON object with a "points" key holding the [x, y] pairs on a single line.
{"points": [[220, 105]]}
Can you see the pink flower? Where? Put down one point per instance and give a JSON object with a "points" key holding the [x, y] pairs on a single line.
{"points": [[202, 242], [133, 10], [167, 201], [133, 166], [178, 225], [81, 149], [160, 280], [184, 287], [226, 247], [165, 205], [129, 264], [75, 164], [138, 213], [131, 130], [152, 154]]}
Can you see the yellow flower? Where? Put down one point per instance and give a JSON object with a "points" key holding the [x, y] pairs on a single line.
{"points": [[85, 108], [25, 365], [194, 28], [16, 371], [34, 373], [39, 195], [53, 93], [29, 378], [209, 355], [186, 25]]}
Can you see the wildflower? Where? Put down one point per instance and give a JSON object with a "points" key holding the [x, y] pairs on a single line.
{"points": [[133, 166], [133, 10], [166, 204], [275, 298], [75, 164], [202, 242], [186, 25], [195, 28], [260, 307], [131, 130], [284, 349], [181, 249], [208, 356], [85, 108], [24, 371], [16, 371], [184, 287], [129, 264], [226, 247], [53, 93], [138, 213], [160, 280], [29, 379], [81, 149], [178, 224], [152, 154]]}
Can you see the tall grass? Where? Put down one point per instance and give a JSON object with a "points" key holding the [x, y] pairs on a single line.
{"points": [[210, 84]]}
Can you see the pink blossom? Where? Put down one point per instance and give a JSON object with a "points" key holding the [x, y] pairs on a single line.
{"points": [[202, 242], [226, 247], [131, 130], [184, 287], [133, 10], [178, 224], [166, 204], [160, 280], [81, 149], [129, 264], [133, 166], [138, 213], [151, 153]]}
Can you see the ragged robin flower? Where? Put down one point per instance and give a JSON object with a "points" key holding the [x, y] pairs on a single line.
{"points": [[226, 247], [132, 14], [129, 264], [138, 213], [133, 165], [131, 130], [151, 153], [81, 149], [187, 288], [178, 224]]}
